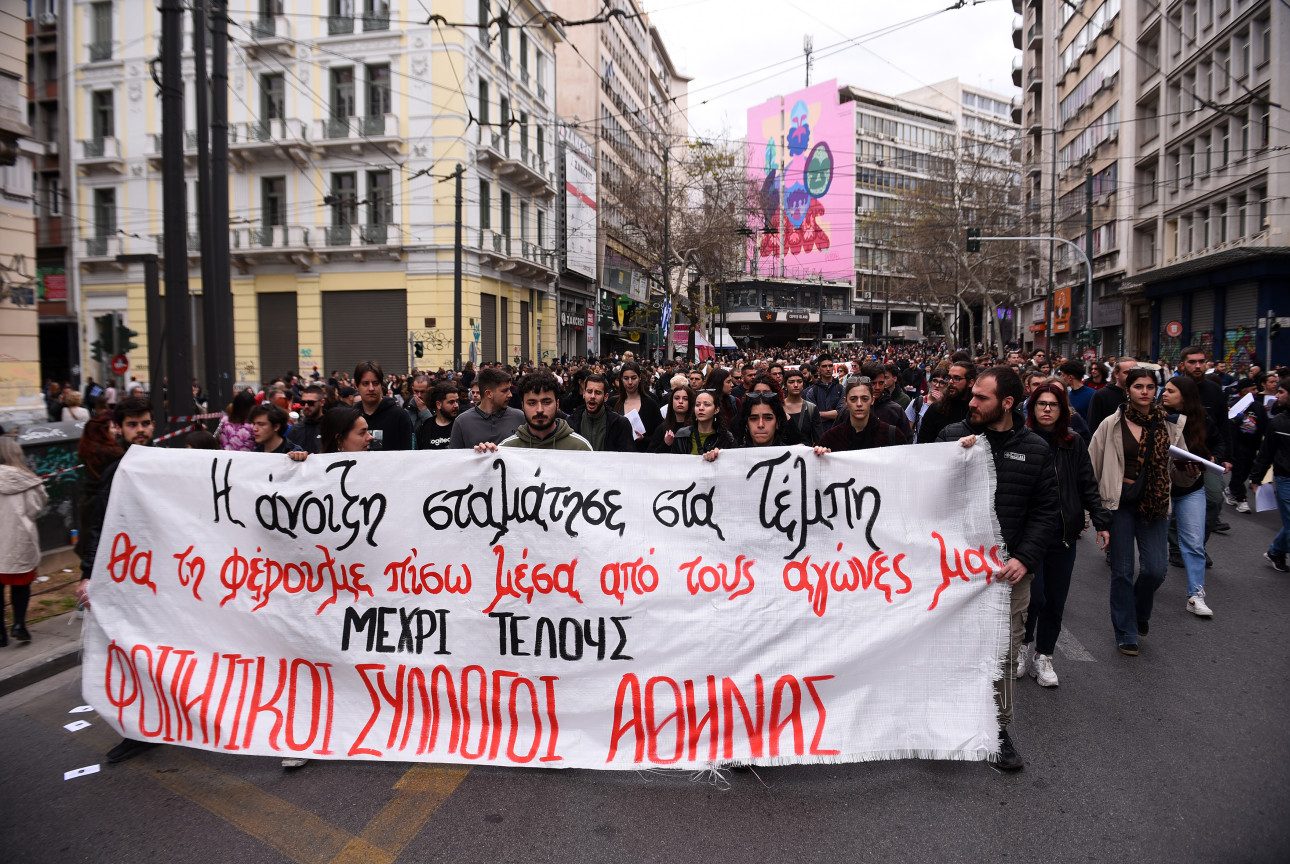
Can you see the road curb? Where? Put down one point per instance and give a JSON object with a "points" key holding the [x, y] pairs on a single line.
{"points": [[37, 669]]}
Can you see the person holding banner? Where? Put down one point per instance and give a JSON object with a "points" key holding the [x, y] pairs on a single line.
{"points": [[1182, 399], [543, 428], [344, 430], [1130, 454], [1049, 414], [708, 432], [1275, 454], [1026, 504]]}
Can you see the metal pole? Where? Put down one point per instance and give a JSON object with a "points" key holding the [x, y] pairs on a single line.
{"points": [[665, 255], [1088, 251], [456, 270], [220, 307], [179, 367], [154, 317], [1052, 249], [210, 324]]}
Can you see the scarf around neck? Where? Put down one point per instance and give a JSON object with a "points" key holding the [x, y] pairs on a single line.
{"points": [[1154, 457]]}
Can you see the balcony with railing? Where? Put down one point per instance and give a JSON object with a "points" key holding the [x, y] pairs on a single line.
{"points": [[493, 146], [192, 243], [269, 34], [357, 132], [100, 52], [99, 252], [272, 244], [254, 139], [99, 154], [358, 240], [155, 150], [526, 169]]}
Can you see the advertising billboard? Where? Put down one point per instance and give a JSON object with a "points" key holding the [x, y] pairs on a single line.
{"points": [[801, 158], [579, 207], [1062, 310]]}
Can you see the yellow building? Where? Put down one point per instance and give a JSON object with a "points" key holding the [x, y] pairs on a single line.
{"points": [[347, 120], [19, 343]]}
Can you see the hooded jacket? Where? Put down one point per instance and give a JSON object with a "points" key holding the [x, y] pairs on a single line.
{"points": [[22, 496], [389, 424], [562, 438], [619, 437], [1025, 493]]}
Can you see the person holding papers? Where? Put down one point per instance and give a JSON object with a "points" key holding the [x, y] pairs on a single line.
{"points": [[1275, 454], [639, 407]]}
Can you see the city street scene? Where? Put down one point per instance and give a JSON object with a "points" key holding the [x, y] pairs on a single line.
{"points": [[927, 368]]}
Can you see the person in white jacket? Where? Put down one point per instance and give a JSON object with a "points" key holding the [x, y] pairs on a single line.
{"points": [[22, 496]]}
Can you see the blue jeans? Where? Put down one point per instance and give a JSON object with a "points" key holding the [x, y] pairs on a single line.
{"points": [[1133, 538], [1281, 543], [1189, 514], [1048, 597]]}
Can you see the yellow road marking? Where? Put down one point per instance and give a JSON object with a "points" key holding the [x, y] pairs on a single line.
{"points": [[417, 796]]}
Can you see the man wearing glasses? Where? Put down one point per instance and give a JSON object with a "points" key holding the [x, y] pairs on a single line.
{"points": [[305, 433]]}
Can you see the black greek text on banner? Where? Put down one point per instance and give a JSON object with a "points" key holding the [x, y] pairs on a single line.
{"points": [[553, 609]]}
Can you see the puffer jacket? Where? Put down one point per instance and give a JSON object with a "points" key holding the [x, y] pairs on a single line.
{"points": [[720, 439], [1077, 488], [22, 497], [1025, 492]]}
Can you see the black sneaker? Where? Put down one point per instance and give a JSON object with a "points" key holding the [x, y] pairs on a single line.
{"points": [[1144, 627], [1009, 760], [1129, 649], [1222, 527], [1278, 562], [1209, 562], [20, 633], [128, 749], [1175, 558]]}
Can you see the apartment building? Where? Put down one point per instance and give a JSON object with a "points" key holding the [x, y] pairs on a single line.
{"points": [[1168, 110], [346, 124], [619, 85], [19, 360]]}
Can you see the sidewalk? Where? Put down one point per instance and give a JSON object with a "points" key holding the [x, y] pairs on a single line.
{"points": [[55, 642]]}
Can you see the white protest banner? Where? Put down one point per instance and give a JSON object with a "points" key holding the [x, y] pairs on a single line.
{"points": [[553, 609]]}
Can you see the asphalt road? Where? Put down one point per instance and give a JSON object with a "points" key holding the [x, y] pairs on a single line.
{"points": [[1179, 755]]}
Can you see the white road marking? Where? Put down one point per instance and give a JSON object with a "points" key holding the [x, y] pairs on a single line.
{"points": [[1071, 648]]}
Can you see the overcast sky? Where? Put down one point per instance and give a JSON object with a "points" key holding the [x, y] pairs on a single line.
{"points": [[714, 41]]}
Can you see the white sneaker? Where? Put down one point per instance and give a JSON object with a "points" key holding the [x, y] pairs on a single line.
{"points": [[1196, 606], [293, 764], [1043, 671], [1243, 507], [1228, 497], [1023, 660]]}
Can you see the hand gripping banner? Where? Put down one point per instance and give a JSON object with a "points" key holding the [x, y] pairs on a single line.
{"points": [[553, 609]]}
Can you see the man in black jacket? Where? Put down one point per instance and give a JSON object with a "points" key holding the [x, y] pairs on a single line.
{"points": [[305, 433], [1109, 399], [1274, 453], [134, 415], [1215, 401], [390, 425], [954, 403], [1026, 504], [607, 431]]}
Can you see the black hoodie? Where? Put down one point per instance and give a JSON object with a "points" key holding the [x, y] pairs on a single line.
{"points": [[390, 425]]}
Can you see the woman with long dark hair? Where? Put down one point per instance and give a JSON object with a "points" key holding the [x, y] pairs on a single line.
{"points": [[1182, 399], [719, 380], [680, 412], [632, 397], [1048, 413], [235, 431], [708, 431], [344, 430], [1130, 455]]}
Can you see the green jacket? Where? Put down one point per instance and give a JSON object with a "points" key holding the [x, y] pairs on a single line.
{"points": [[563, 438]]}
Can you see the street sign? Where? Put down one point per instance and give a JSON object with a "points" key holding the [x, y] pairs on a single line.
{"points": [[120, 364], [1174, 329]]}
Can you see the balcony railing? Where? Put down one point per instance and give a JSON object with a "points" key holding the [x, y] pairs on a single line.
{"points": [[376, 21], [356, 235], [264, 28], [270, 238], [104, 148], [338, 25], [367, 126], [102, 247], [100, 51], [274, 131]]}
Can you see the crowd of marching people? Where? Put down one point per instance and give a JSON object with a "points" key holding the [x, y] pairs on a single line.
{"points": [[1078, 448]]}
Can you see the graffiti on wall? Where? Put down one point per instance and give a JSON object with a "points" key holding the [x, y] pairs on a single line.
{"points": [[798, 145], [1239, 345]]}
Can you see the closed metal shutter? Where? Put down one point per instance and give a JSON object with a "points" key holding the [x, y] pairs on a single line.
{"points": [[1170, 346], [278, 334], [1242, 306], [503, 331], [365, 325], [1170, 310], [524, 331], [1202, 311], [488, 327]]}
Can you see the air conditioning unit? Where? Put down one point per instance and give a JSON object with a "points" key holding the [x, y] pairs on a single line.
{"points": [[47, 19], [866, 295]]}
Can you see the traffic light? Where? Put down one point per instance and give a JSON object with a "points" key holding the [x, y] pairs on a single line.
{"points": [[419, 349], [125, 338], [974, 239], [101, 347]]}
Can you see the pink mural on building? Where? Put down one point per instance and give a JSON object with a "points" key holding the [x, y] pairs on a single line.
{"points": [[801, 157]]}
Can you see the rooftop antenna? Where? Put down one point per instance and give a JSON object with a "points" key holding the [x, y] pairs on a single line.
{"points": [[808, 48]]}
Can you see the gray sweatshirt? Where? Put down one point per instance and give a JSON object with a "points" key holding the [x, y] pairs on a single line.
{"points": [[475, 427]]}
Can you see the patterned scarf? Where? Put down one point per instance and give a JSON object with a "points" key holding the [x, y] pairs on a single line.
{"points": [[1153, 454]]}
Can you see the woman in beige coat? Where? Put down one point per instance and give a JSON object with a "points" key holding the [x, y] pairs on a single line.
{"points": [[22, 496]]}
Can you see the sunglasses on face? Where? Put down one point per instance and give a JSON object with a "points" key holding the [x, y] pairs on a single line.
{"points": [[308, 402]]}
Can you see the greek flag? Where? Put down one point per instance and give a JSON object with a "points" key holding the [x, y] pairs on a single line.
{"points": [[666, 318]]}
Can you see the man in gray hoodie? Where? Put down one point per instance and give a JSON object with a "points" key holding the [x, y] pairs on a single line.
{"points": [[492, 419]]}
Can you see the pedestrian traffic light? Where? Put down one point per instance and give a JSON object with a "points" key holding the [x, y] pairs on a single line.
{"points": [[974, 239], [419, 348]]}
